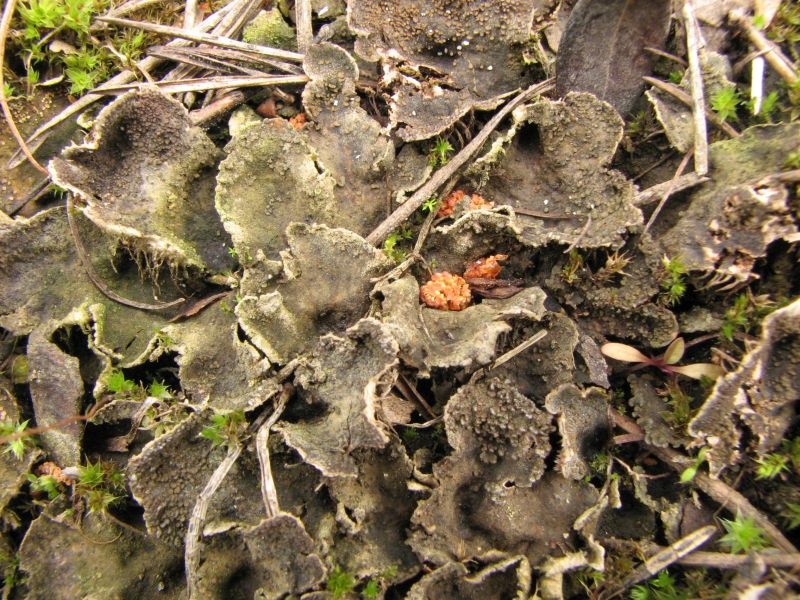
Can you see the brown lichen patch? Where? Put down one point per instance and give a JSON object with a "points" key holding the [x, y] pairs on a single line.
{"points": [[431, 338], [147, 175], [474, 46], [268, 180], [325, 288], [348, 143], [373, 511], [731, 220], [274, 558], [215, 367], [341, 384], [759, 396], [650, 409], [56, 391], [491, 422], [583, 424], [650, 324], [167, 476], [42, 279], [62, 565], [445, 291], [507, 578], [566, 173], [465, 519]]}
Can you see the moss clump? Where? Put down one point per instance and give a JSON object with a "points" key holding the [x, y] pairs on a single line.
{"points": [[270, 29]]}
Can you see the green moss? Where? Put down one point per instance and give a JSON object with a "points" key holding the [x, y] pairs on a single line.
{"points": [[269, 29]]}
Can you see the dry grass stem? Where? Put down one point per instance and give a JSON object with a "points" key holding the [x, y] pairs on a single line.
{"points": [[693, 44]]}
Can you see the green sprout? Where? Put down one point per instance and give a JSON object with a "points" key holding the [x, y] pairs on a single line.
{"points": [[118, 384], [430, 204], [390, 248], [225, 427], [20, 441], [45, 484], [100, 485], [791, 514], [660, 587], [340, 582], [743, 535], [689, 473], [666, 363], [725, 102], [673, 283], [9, 93], [158, 389], [771, 465], [440, 153], [569, 273]]}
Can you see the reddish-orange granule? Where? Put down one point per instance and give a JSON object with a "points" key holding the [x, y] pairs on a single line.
{"points": [[449, 203], [485, 268], [477, 202], [298, 121], [446, 291]]}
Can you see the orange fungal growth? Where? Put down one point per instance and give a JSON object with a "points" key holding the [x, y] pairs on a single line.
{"points": [[485, 268], [298, 121], [449, 203], [477, 202], [446, 291]]}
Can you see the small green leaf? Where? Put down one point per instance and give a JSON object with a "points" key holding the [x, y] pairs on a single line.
{"points": [[674, 351], [700, 370], [623, 352]]}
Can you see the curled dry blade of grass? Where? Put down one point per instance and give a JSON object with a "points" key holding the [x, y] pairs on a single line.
{"points": [[665, 362]]}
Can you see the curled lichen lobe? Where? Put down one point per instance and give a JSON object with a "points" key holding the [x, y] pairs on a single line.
{"points": [[488, 267], [446, 291]]}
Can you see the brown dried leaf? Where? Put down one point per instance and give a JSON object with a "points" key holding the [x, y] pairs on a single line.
{"points": [[602, 50]]}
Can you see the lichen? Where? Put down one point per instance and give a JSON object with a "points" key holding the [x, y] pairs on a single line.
{"points": [[268, 28], [341, 382], [758, 396], [566, 174], [147, 176]]}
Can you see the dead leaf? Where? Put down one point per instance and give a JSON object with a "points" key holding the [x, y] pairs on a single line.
{"points": [[602, 50]]}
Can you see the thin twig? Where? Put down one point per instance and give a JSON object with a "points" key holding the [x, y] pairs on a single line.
{"points": [[405, 386], [302, 20], [129, 7], [539, 214], [5, 24], [672, 57], [718, 490], [39, 189], [194, 532], [519, 349], [207, 56], [663, 559], [190, 14], [674, 185], [668, 191], [681, 96], [269, 492], [777, 59], [88, 268], [693, 44], [216, 109], [204, 83], [581, 235], [459, 160], [205, 38], [720, 560]]}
